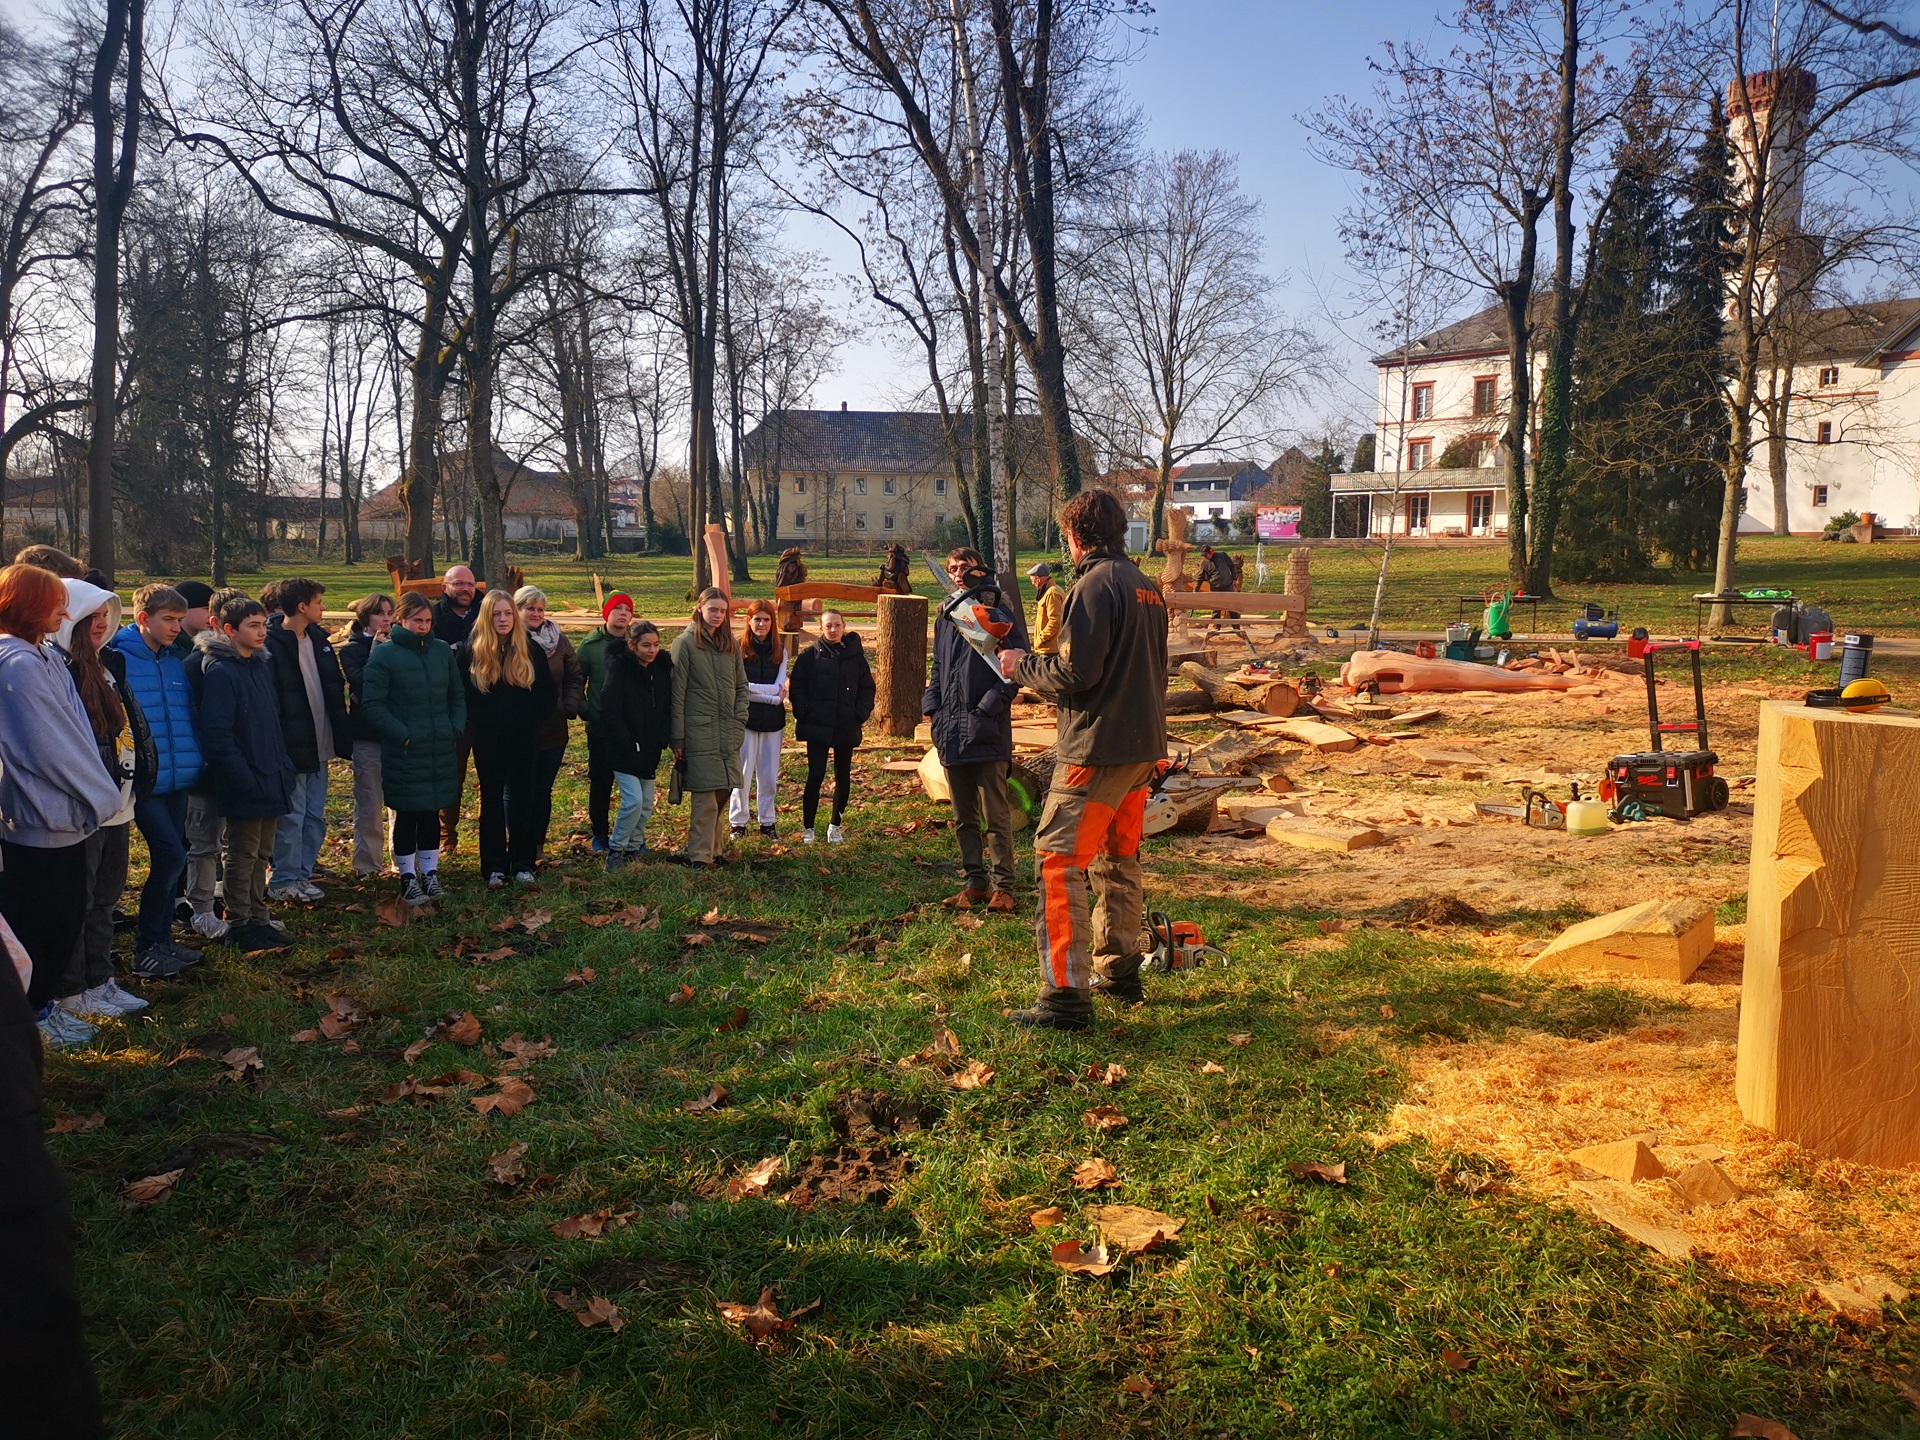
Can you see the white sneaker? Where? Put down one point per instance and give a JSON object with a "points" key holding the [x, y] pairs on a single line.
{"points": [[835, 835], [806, 836], [309, 892], [210, 926], [61, 1031], [525, 877], [90, 1004], [129, 1003], [281, 894]]}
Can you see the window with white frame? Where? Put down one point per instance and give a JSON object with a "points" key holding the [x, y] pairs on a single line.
{"points": [[1423, 402], [860, 485], [1480, 512], [1829, 374], [1418, 513], [1823, 433], [939, 484], [859, 519], [886, 521], [887, 487], [799, 484], [1419, 454]]}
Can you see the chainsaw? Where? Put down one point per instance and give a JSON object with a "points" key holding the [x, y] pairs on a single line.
{"points": [[1178, 945], [982, 623], [1534, 809]]}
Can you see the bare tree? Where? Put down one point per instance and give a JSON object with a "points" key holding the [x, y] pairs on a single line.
{"points": [[1181, 348]]}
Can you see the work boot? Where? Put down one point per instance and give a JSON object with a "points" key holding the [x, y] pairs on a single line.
{"points": [[966, 899], [1123, 991], [1045, 1017], [1001, 903]]}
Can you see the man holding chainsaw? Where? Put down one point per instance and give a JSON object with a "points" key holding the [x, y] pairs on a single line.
{"points": [[1109, 681]]}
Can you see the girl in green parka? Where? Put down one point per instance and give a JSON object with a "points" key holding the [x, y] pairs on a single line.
{"points": [[415, 699], [709, 722]]}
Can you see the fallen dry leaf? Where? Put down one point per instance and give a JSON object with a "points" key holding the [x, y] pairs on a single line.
{"points": [[678, 1210], [568, 1300], [753, 1182], [464, 1029], [750, 936], [515, 1096], [242, 1060], [574, 979], [638, 917], [414, 1051], [945, 1042], [525, 1052], [762, 1319], [1753, 1425], [1105, 1118], [1455, 1361], [596, 921], [1386, 1012], [1239, 1039], [394, 912], [712, 1100], [510, 1164], [1139, 1385], [1910, 1390], [482, 957], [1133, 1229], [601, 1311], [1213, 1068], [152, 1189], [1315, 1170], [76, 1124], [681, 996], [501, 927], [696, 937], [972, 1078], [1071, 1255], [1110, 1075], [304, 1037], [968, 922], [1047, 1218], [534, 921], [735, 1021], [591, 1227], [712, 917], [1094, 1175]]}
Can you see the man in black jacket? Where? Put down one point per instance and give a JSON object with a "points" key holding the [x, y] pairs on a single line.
{"points": [[453, 616], [970, 706], [314, 725], [1109, 680]]}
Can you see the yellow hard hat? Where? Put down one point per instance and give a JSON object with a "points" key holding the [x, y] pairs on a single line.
{"points": [[1863, 695]]}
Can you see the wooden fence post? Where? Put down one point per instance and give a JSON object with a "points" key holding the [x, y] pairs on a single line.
{"points": [[901, 677]]}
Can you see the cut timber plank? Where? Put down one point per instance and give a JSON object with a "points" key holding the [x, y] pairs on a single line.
{"points": [[1627, 1160], [933, 778], [1656, 939], [1232, 753], [1414, 717], [1830, 1005], [1434, 755], [1323, 739], [1323, 834]]}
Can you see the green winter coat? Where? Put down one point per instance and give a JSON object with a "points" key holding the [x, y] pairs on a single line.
{"points": [[709, 712], [592, 654], [414, 698]]}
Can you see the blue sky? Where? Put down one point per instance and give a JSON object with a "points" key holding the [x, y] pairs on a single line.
{"points": [[1232, 75]]}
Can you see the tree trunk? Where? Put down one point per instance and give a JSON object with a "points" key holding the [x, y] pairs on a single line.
{"points": [[1556, 431], [900, 678], [1517, 297], [115, 151], [1777, 412]]}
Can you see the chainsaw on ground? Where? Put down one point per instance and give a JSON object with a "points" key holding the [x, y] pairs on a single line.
{"points": [[1534, 809], [1178, 945]]}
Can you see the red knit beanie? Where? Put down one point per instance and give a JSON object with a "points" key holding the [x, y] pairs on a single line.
{"points": [[617, 598]]}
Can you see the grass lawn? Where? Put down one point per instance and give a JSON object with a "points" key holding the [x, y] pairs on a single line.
{"points": [[334, 1264], [1865, 587]]}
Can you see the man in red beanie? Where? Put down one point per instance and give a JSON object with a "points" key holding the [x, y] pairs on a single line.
{"points": [[616, 615]]}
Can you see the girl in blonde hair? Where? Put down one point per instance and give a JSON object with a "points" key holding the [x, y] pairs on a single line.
{"points": [[509, 698]]}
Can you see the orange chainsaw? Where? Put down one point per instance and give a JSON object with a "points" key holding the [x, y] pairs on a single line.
{"points": [[1178, 945]]}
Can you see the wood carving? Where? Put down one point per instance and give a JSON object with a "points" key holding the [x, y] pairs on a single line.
{"points": [[792, 571], [716, 540], [894, 573], [1173, 575], [1656, 939], [1830, 1007], [1400, 674], [1299, 583]]}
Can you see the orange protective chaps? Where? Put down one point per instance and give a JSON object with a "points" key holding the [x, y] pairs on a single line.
{"points": [[1089, 840]]}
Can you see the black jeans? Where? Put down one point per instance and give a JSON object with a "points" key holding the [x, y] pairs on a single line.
{"points": [[600, 784], [44, 895], [817, 750], [507, 788], [546, 770], [414, 831]]}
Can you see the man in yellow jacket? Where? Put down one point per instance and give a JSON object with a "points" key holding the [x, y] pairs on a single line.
{"points": [[1053, 604]]}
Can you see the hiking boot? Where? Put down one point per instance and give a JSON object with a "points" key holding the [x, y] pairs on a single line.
{"points": [[430, 882], [966, 899], [412, 891], [1043, 1017], [210, 926], [1001, 903], [158, 962], [1125, 991]]}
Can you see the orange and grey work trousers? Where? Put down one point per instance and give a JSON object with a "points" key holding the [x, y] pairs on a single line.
{"points": [[1089, 839]]}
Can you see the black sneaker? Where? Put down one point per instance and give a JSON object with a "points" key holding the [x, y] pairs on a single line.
{"points": [[257, 938], [158, 962], [412, 891], [616, 861], [769, 832], [1042, 1017], [430, 882], [739, 832]]}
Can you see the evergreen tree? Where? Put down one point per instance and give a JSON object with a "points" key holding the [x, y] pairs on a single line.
{"points": [[1363, 454], [1316, 491]]}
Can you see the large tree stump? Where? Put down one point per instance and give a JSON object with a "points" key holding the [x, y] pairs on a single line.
{"points": [[1274, 697], [1299, 582], [900, 678], [1830, 1007]]}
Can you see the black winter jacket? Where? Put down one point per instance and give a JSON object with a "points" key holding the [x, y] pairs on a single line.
{"points": [[1110, 677], [969, 703], [831, 690], [507, 716], [353, 665], [636, 711], [240, 730], [763, 670], [296, 719], [450, 627]]}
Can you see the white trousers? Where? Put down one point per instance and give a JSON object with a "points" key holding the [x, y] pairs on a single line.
{"points": [[759, 763]]}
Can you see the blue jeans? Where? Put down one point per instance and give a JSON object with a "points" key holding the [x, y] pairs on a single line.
{"points": [[296, 840], [163, 825], [636, 805]]}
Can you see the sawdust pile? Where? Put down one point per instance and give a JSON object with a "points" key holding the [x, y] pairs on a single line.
{"points": [[1530, 1099]]}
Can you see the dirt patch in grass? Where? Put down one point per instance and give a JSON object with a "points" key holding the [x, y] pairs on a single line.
{"points": [[849, 1175], [1529, 1099], [652, 1273], [860, 1114], [1435, 910]]}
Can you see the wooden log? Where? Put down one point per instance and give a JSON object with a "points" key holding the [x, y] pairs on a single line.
{"points": [[1323, 834], [1188, 702], [900, 678], [1656, 939], [1830, 1005], [1274, 697], [1299, 582]]}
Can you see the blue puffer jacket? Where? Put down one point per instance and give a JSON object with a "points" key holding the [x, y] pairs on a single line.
{"points": [[159, 685]]}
